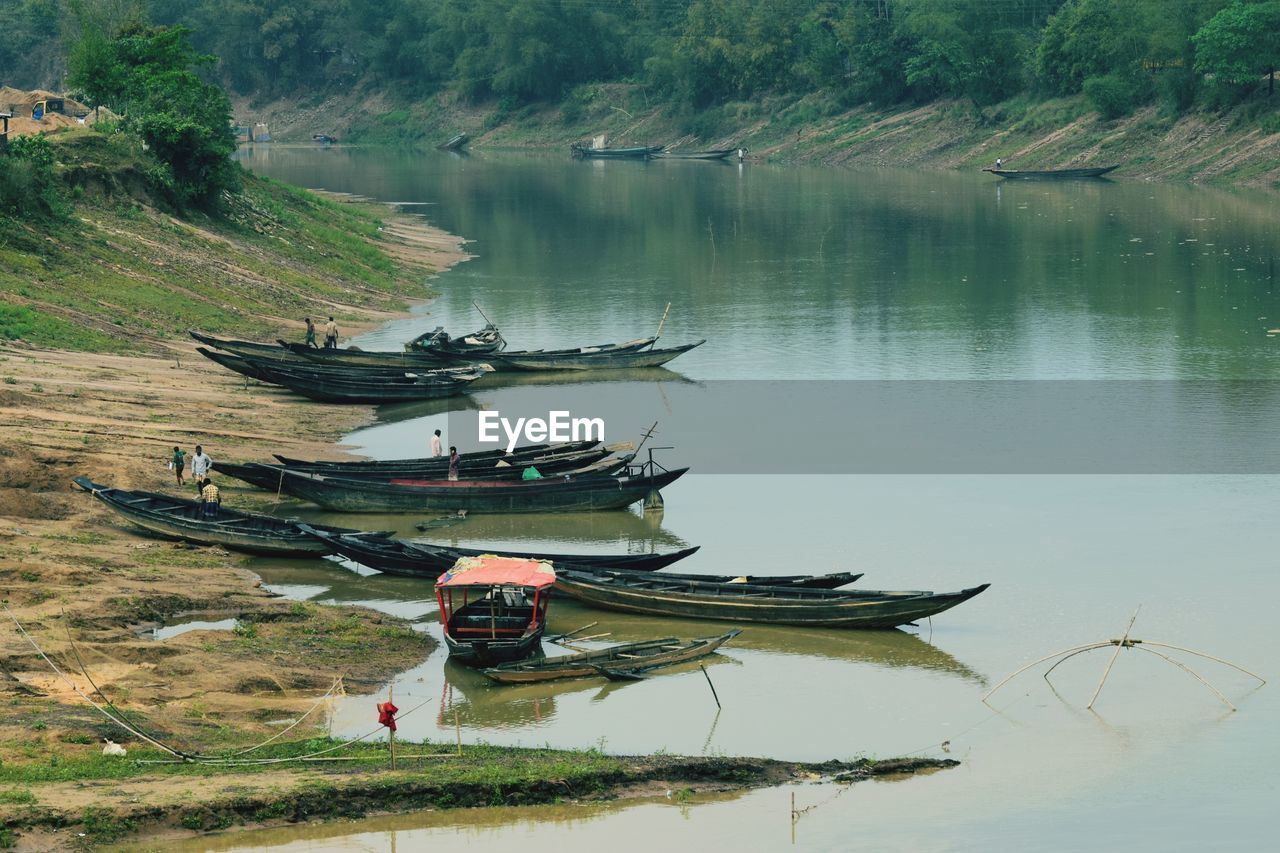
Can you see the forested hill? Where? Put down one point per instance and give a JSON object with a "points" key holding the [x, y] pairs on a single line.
{"points": [[700, 60]]}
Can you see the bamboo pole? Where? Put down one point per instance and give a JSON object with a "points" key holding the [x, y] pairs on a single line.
{"points": [[1203, 655], [1190, 672], [391, 730], [709, 684], [1073, 654], [1018, 672], [663, 321], [1120, 646]]}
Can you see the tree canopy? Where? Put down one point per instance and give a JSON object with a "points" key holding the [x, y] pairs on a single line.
{"points": [[149, 75]]}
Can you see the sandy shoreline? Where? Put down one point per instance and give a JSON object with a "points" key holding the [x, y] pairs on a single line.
{"points": [[66, 562]]}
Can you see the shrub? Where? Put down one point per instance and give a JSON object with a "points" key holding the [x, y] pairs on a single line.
{"points": [[1113, 95]]}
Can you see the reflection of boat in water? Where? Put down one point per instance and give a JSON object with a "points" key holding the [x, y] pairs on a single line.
{"points": [[481, 703], [613, 532], [510, 379], [891, 649]]}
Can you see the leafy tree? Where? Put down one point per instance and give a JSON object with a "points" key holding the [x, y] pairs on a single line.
{"points": [[28, 186], [1241, 43], [148, 74]]}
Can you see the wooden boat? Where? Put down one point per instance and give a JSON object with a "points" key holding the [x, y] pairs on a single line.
{"points": [[553, 494], [324, 138], [248, 349], [715, 154], [179, 518], [347, 387], [268, 476], [638, 153], [488, 457], [623, 658], [488, 339], [422, 559], [655, 595], [1096, 172], [358, 358], [455, 142], [828, 581], [494, 609], [633, 354]]}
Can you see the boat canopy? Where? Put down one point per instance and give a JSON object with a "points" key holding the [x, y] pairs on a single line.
{"points": [[490, 570]]}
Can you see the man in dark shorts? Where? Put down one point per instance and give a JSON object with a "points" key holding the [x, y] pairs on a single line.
{"points": [[179, 463]]}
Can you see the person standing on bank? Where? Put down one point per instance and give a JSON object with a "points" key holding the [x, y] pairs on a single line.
{"points": [[453, 463], [311, 334], [178, 463], [330, 334], [201, 465], [436, 448]]}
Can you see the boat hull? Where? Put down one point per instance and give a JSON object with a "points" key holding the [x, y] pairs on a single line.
{"points": [[232, 529], [490, 652], [831, 610], [1051, 174], [628, 657], [548, 495]]}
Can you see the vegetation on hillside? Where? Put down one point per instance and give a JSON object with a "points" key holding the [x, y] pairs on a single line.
{"points": [[1121, 53]]}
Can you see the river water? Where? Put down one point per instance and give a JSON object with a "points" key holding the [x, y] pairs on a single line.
{"points": [[808, 273]]}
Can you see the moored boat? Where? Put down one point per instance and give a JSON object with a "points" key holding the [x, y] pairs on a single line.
{"points": [[551, 494], [623, 658], [437, 341], [641, 152], [494, 609], [455, 142], [655, 595], [180, 518], [715, 154], [352, 386], [1092, 172], [422, 559]]}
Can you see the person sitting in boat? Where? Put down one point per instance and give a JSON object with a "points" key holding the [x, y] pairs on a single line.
{"points": [[209, 497]]}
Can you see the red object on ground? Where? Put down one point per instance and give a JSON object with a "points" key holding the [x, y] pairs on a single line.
{"points": [[387, 714]]}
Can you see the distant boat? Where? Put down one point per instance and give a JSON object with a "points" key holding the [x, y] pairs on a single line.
{"points": [[1053, 173], [641, 153], [716, 154], [455, 143], [324, 138]]}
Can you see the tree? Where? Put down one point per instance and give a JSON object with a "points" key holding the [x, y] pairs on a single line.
{"points": [[148, 74], [1241, 43]]}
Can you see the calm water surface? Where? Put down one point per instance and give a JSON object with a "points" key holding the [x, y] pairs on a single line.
{"points": [[811, 273]]}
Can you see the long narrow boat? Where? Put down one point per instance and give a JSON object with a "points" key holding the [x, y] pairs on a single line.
{"points": [[240, 530], [422, 559], [626, 657], [633, 354], [715, 154], [487, 457], [1095, 172], [256, 367], [494, 609], [268, 476], [637, 153], [439, 358], [654, 595], [569, 494], [348, 388], [248, 349], [356, 358]]}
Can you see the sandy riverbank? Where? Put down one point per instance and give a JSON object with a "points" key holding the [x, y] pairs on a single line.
{"points": [[70, 566]]}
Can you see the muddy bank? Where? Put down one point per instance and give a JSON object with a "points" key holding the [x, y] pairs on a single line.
{"points": [[73, 572], [480, 777]]}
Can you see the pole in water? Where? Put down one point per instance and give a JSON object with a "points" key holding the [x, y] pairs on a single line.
{"points": [[712, 686], [662, 322], [391, 729], [457, 730]]}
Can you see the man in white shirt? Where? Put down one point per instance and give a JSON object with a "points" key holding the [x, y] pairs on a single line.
{"points": [[436, 448], [201, 464]]}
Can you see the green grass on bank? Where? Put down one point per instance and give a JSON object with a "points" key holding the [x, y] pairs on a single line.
{"points": [[118, 272]]}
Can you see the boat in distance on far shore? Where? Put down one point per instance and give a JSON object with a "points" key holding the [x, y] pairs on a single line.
{"points": [[1091, 172]]}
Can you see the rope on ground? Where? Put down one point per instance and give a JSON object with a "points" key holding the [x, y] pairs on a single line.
{"points": [[285, 731], [67, 680]]}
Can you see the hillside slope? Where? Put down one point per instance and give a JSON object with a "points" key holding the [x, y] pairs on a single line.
{"points": [[1240, 146]]}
